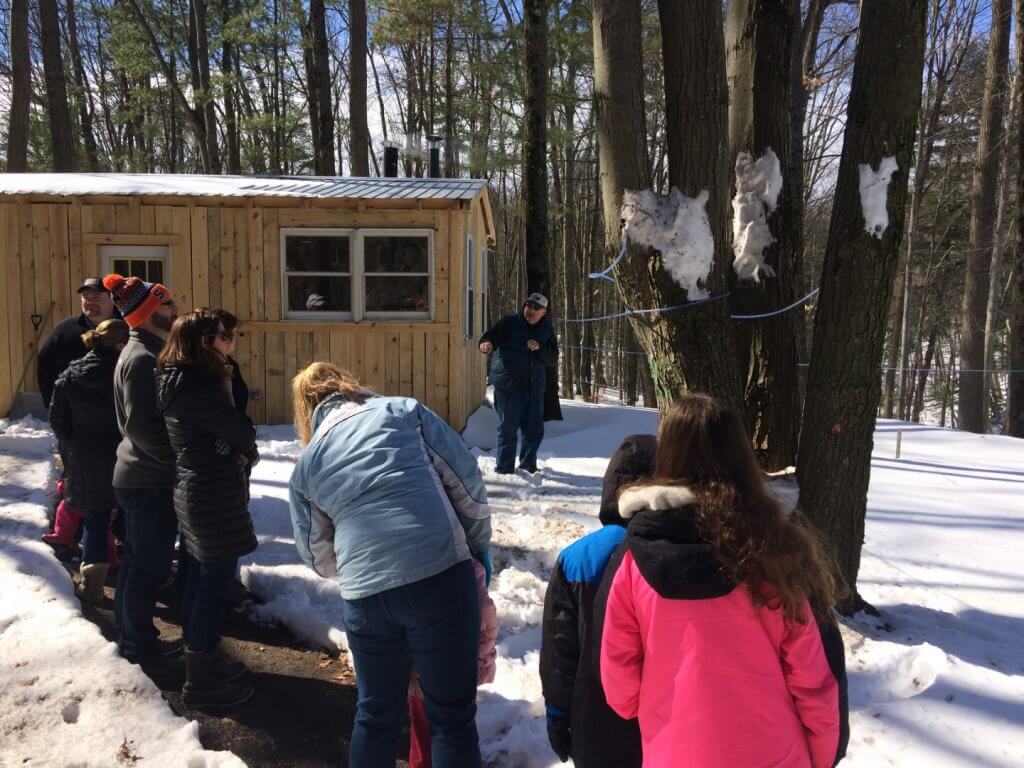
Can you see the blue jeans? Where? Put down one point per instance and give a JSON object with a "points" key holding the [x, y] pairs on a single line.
{"points": [[203, 601], [518, 411], [434, 626], [150, 528], [95, 524]]}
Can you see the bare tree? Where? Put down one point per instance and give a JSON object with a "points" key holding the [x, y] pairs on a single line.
{"points": [[56, 87], [843, 388], [83, 93], [199, 64], [535, 171], [1015, 413], [762, 41], [21, 88], [318, 87], [357, 88], [983, 219]]}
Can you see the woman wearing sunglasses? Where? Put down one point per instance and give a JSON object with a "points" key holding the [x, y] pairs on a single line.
{"points": [[214, 444]]}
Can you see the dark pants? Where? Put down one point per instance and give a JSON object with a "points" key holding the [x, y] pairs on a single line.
{"points": [[434, 625], [95, 536], [518, 411], [203, 601], [150, 529]]}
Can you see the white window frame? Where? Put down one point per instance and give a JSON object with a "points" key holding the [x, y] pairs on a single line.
{"points": [[470, 313], [357, 275], [107, 260], [360, 299]]}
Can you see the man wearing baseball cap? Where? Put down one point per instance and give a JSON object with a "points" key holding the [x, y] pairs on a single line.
{"points": [[144, 473], [524, 346], [64, 343]]}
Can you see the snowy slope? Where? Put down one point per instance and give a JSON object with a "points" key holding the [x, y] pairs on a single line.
{"points": [[943, 685], [66, 697]]}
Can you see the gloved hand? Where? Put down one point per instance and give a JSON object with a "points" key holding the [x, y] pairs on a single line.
{"points": [[559, 735], [484, 558]]}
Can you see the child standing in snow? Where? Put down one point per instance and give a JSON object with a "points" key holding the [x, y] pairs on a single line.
{"points": [[709, 635], [419, 726], [83, 419], [580, 723]]}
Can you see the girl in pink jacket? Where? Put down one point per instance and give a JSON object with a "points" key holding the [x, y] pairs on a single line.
{"points": [[709, 636]]}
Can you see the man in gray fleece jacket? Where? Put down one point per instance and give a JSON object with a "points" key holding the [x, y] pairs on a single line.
{"points": [[144, 474]]}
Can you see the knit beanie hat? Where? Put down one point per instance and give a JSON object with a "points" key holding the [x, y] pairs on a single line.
{"points": [[135, 300], [633, 460]]}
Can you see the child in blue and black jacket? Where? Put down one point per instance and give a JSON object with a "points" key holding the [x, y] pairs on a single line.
{"points": [[580, 723]]}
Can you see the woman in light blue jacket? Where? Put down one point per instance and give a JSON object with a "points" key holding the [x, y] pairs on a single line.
{"points": [[388, 498]]}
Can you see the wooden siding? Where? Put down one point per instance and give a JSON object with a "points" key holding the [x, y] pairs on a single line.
{"points": [[229, 256]]}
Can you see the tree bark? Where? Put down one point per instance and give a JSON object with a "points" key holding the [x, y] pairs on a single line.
{"points": [[227, 70], [761, 43], [359, 151], [205, 105], [843, 389], [451, 155], [1015, 406], [21, 88], [535, 170], [318, 87], [62, 142], [693, 349], [83, 98], [970, 406]]}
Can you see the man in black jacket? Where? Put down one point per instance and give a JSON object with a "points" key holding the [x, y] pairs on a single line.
{"points": [[524, 347], [64, 343]]}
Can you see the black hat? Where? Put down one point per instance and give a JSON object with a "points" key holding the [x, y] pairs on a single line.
{"points": [[633, 460], [92, 284]]}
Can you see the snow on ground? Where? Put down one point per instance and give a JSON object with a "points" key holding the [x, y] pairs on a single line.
{"points": [[938, 681], [66, 697]]}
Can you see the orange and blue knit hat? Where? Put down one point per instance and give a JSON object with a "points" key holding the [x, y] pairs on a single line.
{"points": [[136, 300]]}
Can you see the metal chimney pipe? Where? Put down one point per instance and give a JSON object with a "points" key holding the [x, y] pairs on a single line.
{"points": [[434, 150], [390, 160]]}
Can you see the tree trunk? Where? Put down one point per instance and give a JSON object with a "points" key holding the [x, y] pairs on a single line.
{"points": [[83, 98], [922, 376], [843, 388], [57, 108], [983, 218], [693, 349], [761, 43], [1015, 303], [359, 151], [451, 155], [535, 170], [318, 88], [204, 94], [21, 88], [227, 69]]}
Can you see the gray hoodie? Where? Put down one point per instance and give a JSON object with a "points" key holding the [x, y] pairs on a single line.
{"points": [[144, 457]]}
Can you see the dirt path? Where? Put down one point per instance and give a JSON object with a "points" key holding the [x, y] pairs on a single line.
{"points": [[301, 714]]}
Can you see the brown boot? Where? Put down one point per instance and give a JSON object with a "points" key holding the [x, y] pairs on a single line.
{"points": [[204, 686], [90, 588]]}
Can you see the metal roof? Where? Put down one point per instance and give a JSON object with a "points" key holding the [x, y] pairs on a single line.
{"points": [[196, 185]]}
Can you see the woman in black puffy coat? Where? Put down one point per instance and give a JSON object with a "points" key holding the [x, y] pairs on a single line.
{"points": [[82, 418], [214, 444]]}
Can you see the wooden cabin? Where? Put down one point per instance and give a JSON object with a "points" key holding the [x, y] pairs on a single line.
{"points": [[383, 276]]}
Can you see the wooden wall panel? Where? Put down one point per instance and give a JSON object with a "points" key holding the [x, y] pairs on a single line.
{"points": [[214, 280], [76, 269], [405, 364], [14, 327], [8, 369], [29, 336], [271, 266], [200, 252], [278, 394]]}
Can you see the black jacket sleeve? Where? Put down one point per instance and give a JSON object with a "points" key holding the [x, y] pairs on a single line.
{"points": [[50, 363], [239, 389], [60, 413], [497, 333], [560, 642], [209, 405], [835, 652], [548, 352]]}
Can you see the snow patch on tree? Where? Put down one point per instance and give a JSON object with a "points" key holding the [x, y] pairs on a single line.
{"points": [[874, 195], [758, 184], [678, 227]]}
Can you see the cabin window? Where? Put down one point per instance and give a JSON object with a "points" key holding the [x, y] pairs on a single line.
{"points": [[336, 274], [469, 286], [150, 263]]}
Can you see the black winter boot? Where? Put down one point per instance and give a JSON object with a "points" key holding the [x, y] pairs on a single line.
{"points": [[204, 686]]}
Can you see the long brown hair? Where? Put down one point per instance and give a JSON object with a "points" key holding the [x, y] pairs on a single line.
{"points": [[187, 343], [312, 385], [704, 446]]}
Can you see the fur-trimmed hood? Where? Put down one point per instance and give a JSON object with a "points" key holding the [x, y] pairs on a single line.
{"points": [[667, 546]]}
